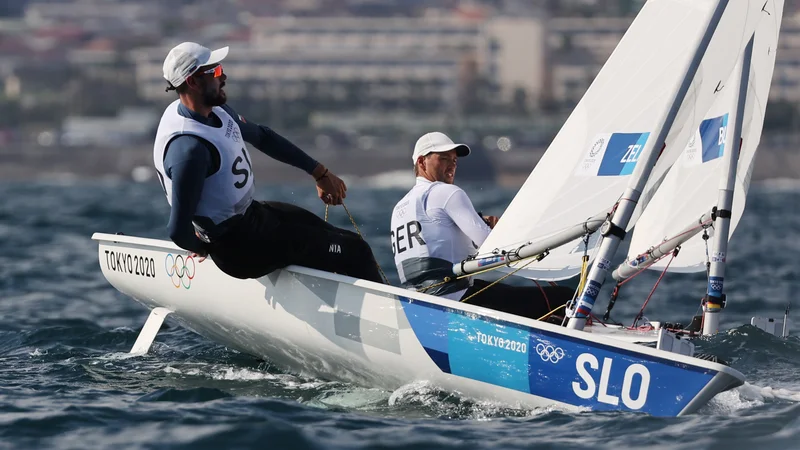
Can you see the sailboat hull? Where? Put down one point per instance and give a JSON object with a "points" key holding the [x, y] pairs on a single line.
{"points": [[337, 327]]}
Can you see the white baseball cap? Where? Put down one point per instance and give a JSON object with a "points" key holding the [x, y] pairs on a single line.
{"points": [[436, 142], [184, 60]]}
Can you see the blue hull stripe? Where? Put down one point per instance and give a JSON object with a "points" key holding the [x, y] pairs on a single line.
{"points": [[550, 365]]}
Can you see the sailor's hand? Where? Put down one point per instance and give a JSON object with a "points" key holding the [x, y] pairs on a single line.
{"points": [[330, 188], [199, 258], [490, 220]]}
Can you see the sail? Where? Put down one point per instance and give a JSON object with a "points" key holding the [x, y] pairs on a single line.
{"points": [[588, 165], [691, 187]]}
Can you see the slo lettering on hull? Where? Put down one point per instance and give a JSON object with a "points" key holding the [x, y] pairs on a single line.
{"points": [[592, 387], [131, 264]]}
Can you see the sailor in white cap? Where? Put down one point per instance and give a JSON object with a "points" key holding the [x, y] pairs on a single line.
{"points": [[206, 172], [435, 226]]}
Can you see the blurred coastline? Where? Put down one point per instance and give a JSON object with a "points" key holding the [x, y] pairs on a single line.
{"points": [[352, 82]]}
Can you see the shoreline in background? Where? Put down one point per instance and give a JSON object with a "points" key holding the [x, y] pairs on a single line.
{"points": [[384, 168]]}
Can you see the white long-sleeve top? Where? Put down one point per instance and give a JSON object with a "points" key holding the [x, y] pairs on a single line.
{"points": [[433, 227]]}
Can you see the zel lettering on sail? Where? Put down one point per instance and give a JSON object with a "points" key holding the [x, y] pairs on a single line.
{"points": [[613, 154], [622, 154]]}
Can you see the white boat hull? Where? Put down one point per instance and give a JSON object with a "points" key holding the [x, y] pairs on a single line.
{"points": [[337, 327]]}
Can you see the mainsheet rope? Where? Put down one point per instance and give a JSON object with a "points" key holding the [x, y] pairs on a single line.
{"points": [[353, 221]]}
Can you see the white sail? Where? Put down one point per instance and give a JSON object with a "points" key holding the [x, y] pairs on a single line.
{"points": [[588, 164], [692, 185]]}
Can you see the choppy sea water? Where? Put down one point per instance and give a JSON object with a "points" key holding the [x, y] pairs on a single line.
{"points": [[66, 380]]}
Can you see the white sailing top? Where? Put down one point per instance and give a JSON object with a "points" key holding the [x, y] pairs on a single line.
{"points": [[433, 227]]}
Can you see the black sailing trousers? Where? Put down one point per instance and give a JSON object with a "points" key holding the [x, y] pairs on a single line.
{"points": [[273, 235]]}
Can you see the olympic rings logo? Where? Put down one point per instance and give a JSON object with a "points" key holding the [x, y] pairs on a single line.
{"points": [[549, 353], [592, 291], [180, 270]]}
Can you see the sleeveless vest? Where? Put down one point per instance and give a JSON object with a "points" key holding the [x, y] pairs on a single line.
{"points": [[226, 193], [425, 248]]}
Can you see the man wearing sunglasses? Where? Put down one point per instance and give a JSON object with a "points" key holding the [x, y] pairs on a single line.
{"points": [[205, 170]]}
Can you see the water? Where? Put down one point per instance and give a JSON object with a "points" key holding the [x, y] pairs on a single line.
{"points": [[66, 380]]}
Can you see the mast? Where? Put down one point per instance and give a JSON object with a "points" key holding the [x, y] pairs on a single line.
{"points": [[714, 301], [613, 230]]}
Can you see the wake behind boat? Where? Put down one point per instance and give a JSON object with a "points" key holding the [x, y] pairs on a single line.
{"points": [[614, 161]]}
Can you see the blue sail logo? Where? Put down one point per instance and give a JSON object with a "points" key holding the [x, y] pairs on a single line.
{"points": [[622, 153]]}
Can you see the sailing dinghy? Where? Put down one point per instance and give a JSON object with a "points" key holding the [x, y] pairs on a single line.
{"points": [[623, 138]]}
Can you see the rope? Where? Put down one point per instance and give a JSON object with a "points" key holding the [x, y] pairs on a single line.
{"points": [[584, 275], [551, 312], [600, 321], [664, 272], [584, 263], [449, 279], [445, 281], [385, 279], [705, 238], [497, 280], [641, 271], [544, 294]]}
